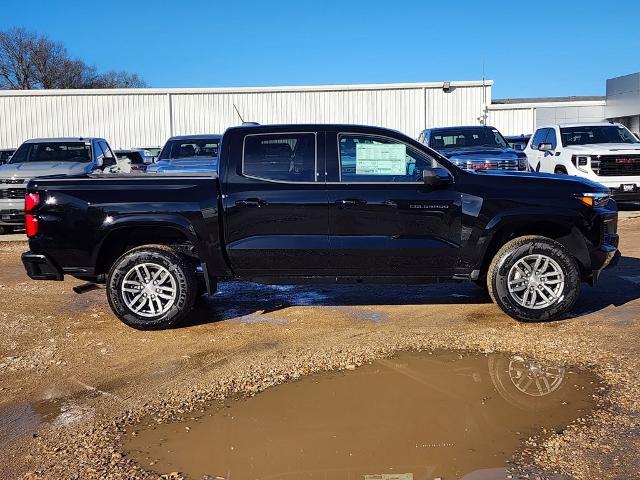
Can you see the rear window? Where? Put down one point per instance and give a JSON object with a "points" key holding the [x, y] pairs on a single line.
{"points": [[190, 148], [289, 157], [53, 152]]}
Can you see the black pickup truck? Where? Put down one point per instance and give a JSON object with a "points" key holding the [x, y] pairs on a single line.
{"points": [[321, 203]]}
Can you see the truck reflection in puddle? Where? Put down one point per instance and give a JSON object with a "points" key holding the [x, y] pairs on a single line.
{"points": [[414, 416]]}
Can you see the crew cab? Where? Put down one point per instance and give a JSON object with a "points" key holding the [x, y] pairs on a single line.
{"points": [[477, 147], [297, 204], [47, 156], [604, 152]]}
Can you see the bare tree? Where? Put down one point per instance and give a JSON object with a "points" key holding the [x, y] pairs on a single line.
{"points": [[32, 61]]}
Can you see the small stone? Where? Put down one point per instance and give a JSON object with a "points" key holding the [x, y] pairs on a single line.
{"points": [[350, 367]]}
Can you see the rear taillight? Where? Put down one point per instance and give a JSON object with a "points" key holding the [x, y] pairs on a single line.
{"points": [[31, 201], [31, 225]]}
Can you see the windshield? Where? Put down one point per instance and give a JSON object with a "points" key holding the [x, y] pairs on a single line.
{"points": [[585, 135], [466, 138], [52, 152], [189, 148]]}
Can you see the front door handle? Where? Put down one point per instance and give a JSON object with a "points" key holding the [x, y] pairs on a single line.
{"points": [[251, 202], [351, 202]]}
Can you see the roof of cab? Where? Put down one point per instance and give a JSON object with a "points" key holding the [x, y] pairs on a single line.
{"points": [[63, 139], [212, 136]]}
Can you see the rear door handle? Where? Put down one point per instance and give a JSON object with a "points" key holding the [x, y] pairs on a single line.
{"points": [[351, 201], [251, 202]]}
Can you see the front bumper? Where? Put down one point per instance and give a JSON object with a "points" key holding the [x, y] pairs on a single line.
{"points": [[12, 212], [625, 196], [41, 267], [606, 254]]}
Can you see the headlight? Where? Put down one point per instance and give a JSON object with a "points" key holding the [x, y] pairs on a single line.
{"points": [[593, 199], [582, 162]]}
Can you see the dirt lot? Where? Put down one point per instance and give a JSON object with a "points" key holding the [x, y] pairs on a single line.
{"points": [[72, 377]]}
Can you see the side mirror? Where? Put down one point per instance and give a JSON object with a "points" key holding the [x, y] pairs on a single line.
{"points": [[545, 147], [100, 162], [437, 177]]}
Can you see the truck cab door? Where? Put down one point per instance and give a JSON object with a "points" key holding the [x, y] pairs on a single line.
{"points": [[384, 221], [275, 203]]}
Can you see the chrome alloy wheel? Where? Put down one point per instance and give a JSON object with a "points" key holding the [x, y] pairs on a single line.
{"points": [[533, 378], [149, 290], [536, 281]]}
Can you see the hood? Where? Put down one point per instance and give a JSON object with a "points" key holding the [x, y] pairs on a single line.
{"points": [[480, 153], [538, 181], [42, 169], [600, 148]]}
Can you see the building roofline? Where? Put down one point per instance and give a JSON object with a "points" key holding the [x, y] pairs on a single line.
{"points": [[272, 89], [580, 98]]}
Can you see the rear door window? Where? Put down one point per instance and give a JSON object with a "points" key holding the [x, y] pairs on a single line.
{"points": [[282, 157]]}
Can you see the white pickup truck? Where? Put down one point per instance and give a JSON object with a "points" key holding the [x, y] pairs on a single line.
{"points": [[604, 152]]}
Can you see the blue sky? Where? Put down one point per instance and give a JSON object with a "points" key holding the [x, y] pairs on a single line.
{"points": [[542, 48]]}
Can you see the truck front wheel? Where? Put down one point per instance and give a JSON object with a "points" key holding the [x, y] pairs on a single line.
{"points": [[152, 287], [534, 279]]}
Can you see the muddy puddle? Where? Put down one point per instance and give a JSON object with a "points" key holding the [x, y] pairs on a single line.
{"points": [[413, 416]]}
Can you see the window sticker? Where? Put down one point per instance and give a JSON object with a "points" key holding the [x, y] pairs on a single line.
{"points": [[381, 159]]}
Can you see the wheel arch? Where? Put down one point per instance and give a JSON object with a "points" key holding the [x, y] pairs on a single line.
{"points": [[557, 229], [127, 234]]}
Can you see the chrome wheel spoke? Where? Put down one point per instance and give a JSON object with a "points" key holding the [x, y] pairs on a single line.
{"points": [[149, 289], [535, 281]]}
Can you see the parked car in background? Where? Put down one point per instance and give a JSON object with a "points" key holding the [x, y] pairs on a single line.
{"points": [[474, 148], [150, 153], [43, 157], [189, 153], [604, 152], [518, 142], [404, 215], [5, 155], [134, 160]]}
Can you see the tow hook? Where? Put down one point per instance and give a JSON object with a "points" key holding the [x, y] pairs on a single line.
{"points": [[87, 287]]}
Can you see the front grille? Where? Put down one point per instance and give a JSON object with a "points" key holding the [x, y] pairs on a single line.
{"points": [[13, 193], [508, 165], [616, 165]]}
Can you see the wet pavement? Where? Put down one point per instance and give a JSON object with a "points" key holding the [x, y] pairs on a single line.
{"points": [[413, 416]]}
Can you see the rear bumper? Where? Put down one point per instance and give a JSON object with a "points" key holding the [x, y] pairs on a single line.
{"points": [[41, 267]]}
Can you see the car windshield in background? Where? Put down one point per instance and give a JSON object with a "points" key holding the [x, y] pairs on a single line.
{"points": [[467, 138], [585, 135], [53, 152], [189, 148]]}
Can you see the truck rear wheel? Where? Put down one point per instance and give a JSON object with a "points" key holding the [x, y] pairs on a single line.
{"points": [[152, 287], [534, 279]]}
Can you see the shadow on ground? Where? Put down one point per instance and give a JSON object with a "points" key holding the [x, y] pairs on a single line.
{"points": [[248, 301]]}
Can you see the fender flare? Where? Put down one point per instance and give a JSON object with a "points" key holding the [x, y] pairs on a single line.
{"points": [[109, 228]]}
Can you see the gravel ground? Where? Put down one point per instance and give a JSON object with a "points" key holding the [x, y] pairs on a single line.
{"points": [[73, 378]]}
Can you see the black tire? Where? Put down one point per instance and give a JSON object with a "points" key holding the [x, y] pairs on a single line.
{"points": [[521, 248], [182, 282], [560, 171]]}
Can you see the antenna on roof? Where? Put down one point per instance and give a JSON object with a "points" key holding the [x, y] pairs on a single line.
{"points": [[238, 112]]}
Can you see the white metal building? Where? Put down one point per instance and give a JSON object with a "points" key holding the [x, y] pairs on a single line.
{"points": [[523, 116], [623, 100], [145, 117]]}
